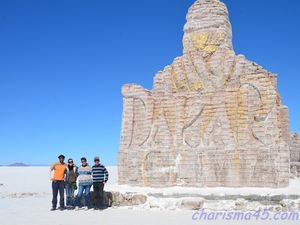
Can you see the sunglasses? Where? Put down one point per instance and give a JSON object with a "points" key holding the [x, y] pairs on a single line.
{"points": [[70, 162]]}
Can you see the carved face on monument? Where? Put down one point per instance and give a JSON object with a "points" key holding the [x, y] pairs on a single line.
{"points": [[207, 27]]}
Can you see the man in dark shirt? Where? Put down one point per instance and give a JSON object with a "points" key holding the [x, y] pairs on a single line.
{"points": [[100, 177]]}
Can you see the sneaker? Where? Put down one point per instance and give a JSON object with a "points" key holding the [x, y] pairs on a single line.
{"points": [[52, 209], [85, 208], [61, 208], [76, 208]]}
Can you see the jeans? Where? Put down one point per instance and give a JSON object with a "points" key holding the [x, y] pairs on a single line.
{"points": [[58, 186], [86, 190], [70, 189], [98, 191]]}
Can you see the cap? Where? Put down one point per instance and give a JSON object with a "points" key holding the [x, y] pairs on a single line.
{"points": [[96, 158], [61, 156]]}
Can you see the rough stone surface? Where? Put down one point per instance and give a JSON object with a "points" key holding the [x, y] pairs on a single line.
{"points": [[115, 199], [128, 199], [295, 155], [262, 199], [213, 118], [295, 148], [240, 204], [198, 201], [192, 204]]}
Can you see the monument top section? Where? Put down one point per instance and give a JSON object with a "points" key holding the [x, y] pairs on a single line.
{"points": [[207, 21]]}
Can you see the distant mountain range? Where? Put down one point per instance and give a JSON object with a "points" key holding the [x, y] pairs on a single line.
{"points": [[18, 165]]}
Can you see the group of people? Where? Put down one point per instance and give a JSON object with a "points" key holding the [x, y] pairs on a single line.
{"points": [[65, 178]]}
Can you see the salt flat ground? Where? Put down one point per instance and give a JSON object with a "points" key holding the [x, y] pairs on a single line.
{"points": [[25, 199]]}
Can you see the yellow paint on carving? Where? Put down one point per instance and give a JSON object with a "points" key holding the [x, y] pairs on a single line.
{"points": [[174, 88], [197, 85], [210, 48], [156, 112], [186, 79], [179, 85], [236, 112], [200, 40], [182, 86], [146, 181], [207, 115], [185, 42], [170, 117], [207, 41], [174, 80], [236, 164], [242, 109]]}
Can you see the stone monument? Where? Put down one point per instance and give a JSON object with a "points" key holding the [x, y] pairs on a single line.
{"points": [[213, 118]]}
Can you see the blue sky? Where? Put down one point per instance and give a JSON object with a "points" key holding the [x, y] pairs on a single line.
{"points": [[63, 62]]}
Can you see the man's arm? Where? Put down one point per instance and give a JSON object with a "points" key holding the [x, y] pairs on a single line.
{"points": [[76, 172], [92, 173], [65, 174], [106, 175], [51, 169]]}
